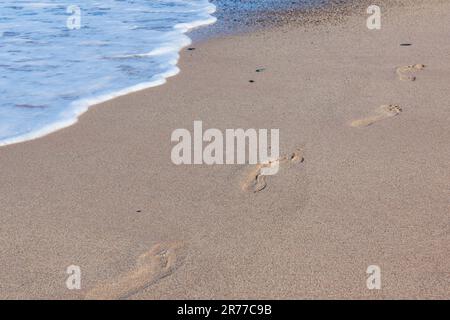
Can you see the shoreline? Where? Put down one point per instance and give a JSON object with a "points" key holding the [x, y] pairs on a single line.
{"points": [[70, 115], [104, 194], [197, 33]]}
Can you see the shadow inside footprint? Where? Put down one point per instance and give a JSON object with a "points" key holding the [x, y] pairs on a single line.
{"points": [[159, 262], [256, 180], [383, 112], [407, 73]]}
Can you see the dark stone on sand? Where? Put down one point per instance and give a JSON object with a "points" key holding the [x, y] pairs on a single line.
{"points": [[405, 44], [260, 69], [191, 49], [251, 81]]}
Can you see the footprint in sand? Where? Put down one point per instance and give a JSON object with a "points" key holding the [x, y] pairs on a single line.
{"points": [[407, 73], [256, 181], [162, 260], [383, 112]]}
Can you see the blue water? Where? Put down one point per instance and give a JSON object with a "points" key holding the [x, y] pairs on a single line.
{"points": [[57, 60]]}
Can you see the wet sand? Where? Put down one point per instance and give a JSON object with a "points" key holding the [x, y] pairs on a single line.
{"points": [[371, 188]]}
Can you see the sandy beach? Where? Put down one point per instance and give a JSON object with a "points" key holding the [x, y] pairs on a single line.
{"points": [[366, 114]]}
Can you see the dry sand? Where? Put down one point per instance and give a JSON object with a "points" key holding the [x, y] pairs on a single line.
{"points": [[104, 194]]}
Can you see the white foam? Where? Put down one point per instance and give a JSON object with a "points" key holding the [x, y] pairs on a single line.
{"points": [[95, 82]]}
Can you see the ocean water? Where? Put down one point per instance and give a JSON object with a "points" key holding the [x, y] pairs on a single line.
{"points": [[57, 59]]}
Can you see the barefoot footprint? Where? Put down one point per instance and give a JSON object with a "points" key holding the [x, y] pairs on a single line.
{"points": [[407, 73], [383, 112], [256, 181], [162, 260]]}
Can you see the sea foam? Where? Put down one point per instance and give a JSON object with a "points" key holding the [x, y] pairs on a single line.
{"points": [[50, 74]]}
